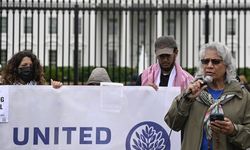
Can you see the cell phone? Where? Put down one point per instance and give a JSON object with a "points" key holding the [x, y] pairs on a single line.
{"points": [[216, 116]]}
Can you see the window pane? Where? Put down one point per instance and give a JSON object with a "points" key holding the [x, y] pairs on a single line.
{"points": [[27, 25], [204, 27], [142, 25], [113, 25], [3, 25], [79, 26], [79, 58], [52, 57], [170, 26], [231, 26], [3, 57], [52, 25], [112, 58]]}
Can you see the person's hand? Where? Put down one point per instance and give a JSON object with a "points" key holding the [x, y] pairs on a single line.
{"points": [[225, 127], [153, 85], [56, 84], [195, 88]]}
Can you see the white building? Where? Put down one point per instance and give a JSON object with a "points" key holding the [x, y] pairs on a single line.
{"points": [[112, 36]]}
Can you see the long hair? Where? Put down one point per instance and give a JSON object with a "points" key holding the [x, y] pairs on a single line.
{"points": [[9, 73], [226, 56]]}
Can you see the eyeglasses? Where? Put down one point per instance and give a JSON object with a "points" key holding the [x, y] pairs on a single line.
{"points": [[213, 61]]}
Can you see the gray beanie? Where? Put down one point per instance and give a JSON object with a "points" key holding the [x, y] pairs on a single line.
{"points": [[98, 75]]}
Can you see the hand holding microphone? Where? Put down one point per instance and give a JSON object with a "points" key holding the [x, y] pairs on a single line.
{"points": [[194, 89]]}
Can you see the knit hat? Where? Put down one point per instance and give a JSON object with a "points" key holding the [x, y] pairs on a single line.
{"points": [[98, 75], [165, 45]]}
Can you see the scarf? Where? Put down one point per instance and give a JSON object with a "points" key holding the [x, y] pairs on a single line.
{"points": [[178, 76], [214, 107]]}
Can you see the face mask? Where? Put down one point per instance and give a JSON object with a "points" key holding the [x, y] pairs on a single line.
{"points": [[25, 73]]}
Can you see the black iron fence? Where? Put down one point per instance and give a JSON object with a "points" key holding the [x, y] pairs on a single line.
{"points": [[72, 37]]}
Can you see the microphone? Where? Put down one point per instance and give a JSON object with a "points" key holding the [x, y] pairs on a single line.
{"points": [[206, 80]]}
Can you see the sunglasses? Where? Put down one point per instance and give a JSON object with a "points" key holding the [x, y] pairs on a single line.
{"points": [[213, 61]]}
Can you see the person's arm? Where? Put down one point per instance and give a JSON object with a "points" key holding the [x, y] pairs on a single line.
{"points": [[138, 82], [178, 113], [179, 110], [241, 135]]}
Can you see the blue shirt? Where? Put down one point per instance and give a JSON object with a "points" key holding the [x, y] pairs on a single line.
{"points": [[204, 144]]}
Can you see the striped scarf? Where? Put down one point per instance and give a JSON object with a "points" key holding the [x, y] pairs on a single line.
{"points": [[214, 107]]}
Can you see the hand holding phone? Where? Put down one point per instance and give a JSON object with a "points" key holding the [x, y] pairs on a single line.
{"points": [[216, 116]]}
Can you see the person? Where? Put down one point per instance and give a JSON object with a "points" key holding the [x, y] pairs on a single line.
{"points": [[97, 76], [167, 72], [190, 111], [24, 68], [243, 81]]}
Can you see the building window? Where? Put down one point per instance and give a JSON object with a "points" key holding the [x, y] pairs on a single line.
{"points": [[170, 26], [3, 56], [3, 25], [52, 25], [112, 59], [79, 26], [113, 25], [142, 24], [204, 26], [79, 58], [231, 26], [27, 25], [52, 57]]}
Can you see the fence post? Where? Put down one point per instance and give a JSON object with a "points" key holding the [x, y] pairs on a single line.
{"points": [[207, 22], [76, 19]]}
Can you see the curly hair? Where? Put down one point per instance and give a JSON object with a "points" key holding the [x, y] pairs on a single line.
{"points": [[9, 73], [226, 56]]}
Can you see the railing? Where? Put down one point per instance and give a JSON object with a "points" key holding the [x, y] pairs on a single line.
{"points": [[71, 38]]}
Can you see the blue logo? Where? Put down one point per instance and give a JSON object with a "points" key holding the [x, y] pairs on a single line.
{"points": [[148, 135]]}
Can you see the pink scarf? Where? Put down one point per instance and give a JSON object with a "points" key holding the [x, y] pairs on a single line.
{"points": [[182, 78]]}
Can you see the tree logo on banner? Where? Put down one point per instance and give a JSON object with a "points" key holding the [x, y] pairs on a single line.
{"points": [[148, 135]]}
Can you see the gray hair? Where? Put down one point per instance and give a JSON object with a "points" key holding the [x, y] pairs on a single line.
{"points": [[226, 56]]}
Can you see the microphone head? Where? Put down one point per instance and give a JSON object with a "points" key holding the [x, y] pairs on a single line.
{"points": [[208, 79]]}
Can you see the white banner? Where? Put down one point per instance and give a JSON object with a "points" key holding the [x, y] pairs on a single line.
{"points": [[4, 104], [88, 118]]}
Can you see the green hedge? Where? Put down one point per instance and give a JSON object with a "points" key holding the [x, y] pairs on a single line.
{"points": [[66, 74], [117, 74], [244, 71], [240, 71]]}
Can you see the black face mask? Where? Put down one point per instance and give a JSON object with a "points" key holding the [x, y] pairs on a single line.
{"points": [[25, 73]]}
